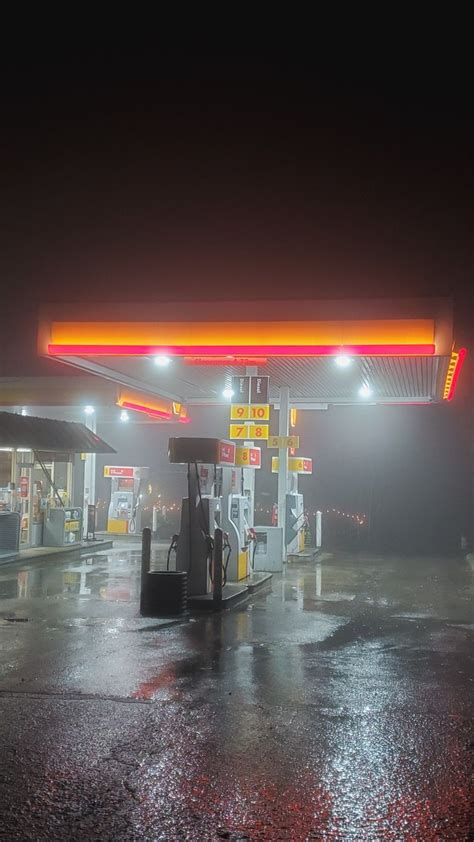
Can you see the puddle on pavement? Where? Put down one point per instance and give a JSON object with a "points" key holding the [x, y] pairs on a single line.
{"points": [[102, 576]]}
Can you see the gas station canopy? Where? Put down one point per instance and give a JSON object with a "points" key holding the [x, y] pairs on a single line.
{"points": [[165, 357], [49, 435]]}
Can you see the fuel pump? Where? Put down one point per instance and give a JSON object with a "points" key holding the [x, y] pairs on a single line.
{"points": [[201, 510], [295, 523], [124, 509], [295, 517], [200, 515], [216, 498], [237, 513]]}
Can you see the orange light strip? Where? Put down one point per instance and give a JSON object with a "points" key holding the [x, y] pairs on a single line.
{"points": [[153, 413], [155, 406], [217, 337], [454, 370]]}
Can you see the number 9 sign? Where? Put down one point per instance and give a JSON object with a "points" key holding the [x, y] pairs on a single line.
{"points": [[239, 412]]}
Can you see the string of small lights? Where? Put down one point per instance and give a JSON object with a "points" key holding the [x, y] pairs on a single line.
{"points": [[360, 519]]}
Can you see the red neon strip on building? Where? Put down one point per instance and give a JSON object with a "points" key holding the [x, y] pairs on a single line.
{"points": [[243, 350], [459, 363], [156, 413], [229, 359]]}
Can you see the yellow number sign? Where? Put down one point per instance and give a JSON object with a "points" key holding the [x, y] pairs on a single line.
{"points": [[239, 431], [299, 465], [248, 457], [260, 412], [239, 412], [258, 431], [283, 441]]}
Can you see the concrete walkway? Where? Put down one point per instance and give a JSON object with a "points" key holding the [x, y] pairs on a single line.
{"points": [[46, 553], [336, 705]]}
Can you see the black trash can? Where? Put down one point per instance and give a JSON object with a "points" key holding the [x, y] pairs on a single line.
{"points": [[166, 593]]}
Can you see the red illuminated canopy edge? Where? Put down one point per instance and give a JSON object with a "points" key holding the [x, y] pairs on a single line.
{"points": [[137, 407], [240, 350]]}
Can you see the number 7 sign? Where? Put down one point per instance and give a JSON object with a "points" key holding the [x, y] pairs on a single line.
{"points": [[238, 431]]}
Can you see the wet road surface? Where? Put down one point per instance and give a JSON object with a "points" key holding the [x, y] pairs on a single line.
{"points": [[336, 705]]}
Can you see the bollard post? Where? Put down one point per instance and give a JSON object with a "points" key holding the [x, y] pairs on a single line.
{"points": [[146, 556], [217, 590]]}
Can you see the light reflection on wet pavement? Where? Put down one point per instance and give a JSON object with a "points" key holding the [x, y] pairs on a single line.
{"points": [[337, 705]]}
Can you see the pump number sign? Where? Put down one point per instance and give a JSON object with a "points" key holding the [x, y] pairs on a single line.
{"points": [[248, 457], [239, 412], [250, 408], [290, 442], [260, 412], [296, 464], [258, 431], [246, 412], [249, 431], [239, 431]]}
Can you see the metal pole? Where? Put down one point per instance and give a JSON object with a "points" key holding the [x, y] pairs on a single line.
{"points": [[146, 556], [283, 429], [319, 537], [218, 550], [248, 474], [89, 470]]}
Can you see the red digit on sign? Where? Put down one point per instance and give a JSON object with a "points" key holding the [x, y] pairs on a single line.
{"points": [[260, 412], [258, 432], [240, 431], [240, 411]]}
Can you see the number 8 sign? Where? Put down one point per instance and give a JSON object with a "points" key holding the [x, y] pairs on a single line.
{"points": [[258, 431]]}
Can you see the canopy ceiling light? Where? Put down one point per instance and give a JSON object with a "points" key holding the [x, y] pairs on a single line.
{"points": [[343, 361]]}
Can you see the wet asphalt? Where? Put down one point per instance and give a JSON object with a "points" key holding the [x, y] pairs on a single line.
{"points": [[335, 705]]}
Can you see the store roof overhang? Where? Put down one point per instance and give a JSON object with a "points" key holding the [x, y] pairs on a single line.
{"points": [[402, 348], [48, 435]]}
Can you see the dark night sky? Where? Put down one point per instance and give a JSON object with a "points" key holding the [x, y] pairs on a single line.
{"points": [[235, 177], [231, 171]]}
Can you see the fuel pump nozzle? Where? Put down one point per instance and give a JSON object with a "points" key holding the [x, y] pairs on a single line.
{"points": [[172, 546], [252, 539]]}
